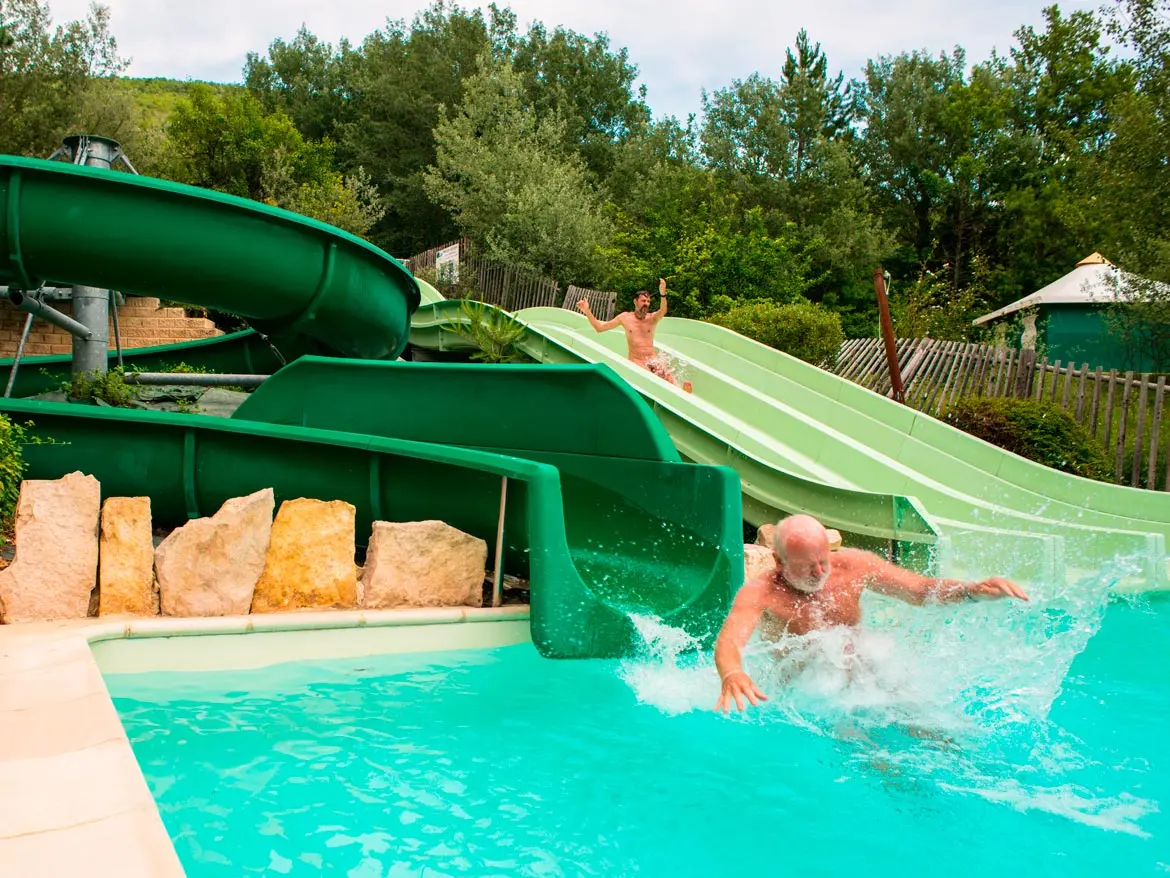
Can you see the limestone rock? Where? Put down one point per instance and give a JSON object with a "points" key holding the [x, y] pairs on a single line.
{"points": [[126, 567], [423, 564], [764, 535], [310, 559], [757, 560], [56, 562], [209, 566]]}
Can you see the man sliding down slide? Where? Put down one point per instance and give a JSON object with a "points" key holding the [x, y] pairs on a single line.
{"points": [[639, 325], [812, 588]]}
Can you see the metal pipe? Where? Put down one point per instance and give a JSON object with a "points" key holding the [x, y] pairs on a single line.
{"points": [[117, 332], [91, 306], [498, 574], [197, 379], [36, 307], [19, 353]]}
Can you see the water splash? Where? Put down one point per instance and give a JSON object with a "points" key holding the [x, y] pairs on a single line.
{"points": [[957, 697]]}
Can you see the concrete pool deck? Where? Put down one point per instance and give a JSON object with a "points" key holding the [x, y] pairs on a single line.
{"points": [[73, 800]]}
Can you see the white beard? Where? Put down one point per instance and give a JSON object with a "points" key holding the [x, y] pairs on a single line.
{"points": [[809, 587]]}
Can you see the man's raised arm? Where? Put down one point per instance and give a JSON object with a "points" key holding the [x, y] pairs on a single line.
{"points": [[661, 312], [897, 582], [599, 325]]}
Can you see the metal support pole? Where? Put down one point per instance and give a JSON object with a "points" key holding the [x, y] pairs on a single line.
{"points": [[91, 306], [19, 353], [879, 284], [117, 331], [498, 575]]}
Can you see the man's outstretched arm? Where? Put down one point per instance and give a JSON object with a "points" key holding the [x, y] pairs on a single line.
{"points": [[905, 585], [733, 637], [599, 325]]}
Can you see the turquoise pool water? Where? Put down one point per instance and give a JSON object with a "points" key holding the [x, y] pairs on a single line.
{"points": [[1007, 741]]}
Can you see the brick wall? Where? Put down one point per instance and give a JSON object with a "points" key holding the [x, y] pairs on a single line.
{"points": [[141, 321]]}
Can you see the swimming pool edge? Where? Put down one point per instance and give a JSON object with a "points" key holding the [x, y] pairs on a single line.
{"points": [[73, 799]]}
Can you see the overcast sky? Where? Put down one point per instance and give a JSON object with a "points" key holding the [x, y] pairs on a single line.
{"points": [[680, 47]]}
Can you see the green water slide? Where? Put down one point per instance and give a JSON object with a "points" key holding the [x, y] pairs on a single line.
{"points": [[586, 521], [775, 420], [588, 551], [295, 279]]}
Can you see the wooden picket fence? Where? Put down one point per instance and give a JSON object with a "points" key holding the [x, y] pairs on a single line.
{"points": [[1122, 411], [512, 288]]}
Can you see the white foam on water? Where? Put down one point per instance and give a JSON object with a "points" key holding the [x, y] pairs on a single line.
{"points": [[959, 695]]}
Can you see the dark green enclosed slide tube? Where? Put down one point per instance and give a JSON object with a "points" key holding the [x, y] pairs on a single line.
{"points": [[288, 275]]}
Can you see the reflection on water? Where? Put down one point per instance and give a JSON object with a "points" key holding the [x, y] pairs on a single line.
{"points": [[955, 698]]}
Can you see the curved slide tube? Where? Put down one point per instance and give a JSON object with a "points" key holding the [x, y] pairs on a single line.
{"points": [[576, 554], [288, 275]]}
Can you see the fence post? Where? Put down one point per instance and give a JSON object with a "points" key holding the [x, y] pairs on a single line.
{"points": [[1124, 417], [1135, 476], [1155, 436], [1024, 376]]}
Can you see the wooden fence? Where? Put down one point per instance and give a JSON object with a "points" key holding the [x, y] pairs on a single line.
{"points": [[1122, 411], [513, 288]]}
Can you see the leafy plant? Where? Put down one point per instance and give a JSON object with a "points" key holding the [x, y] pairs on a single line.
{"points": [[13, 437], [492, 331], [109, 388], [802, 329], [1039, 431]]}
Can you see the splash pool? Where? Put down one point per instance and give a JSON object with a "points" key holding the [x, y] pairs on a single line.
{"points": [[1002, 742]]}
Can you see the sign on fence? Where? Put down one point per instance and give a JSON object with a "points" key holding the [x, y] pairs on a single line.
{"points": [[447, 264]]}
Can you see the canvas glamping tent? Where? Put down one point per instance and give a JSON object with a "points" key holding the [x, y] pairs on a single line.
{"points": [[1067, 318]]}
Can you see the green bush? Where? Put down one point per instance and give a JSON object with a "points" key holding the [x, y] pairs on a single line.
{"points": [[109, 387], [1039, 431], [801, 329], [12, 437]]}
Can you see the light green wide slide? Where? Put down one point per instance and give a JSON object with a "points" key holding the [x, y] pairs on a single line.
{"points": [[804, 440]]}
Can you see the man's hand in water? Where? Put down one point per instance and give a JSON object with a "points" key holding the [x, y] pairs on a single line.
{"points": [[993, 589], [738, 686]]}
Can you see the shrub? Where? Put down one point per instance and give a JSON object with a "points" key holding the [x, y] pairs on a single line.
{"points": [[492, 331], [109, 387], [801, 329], [1039, 431]]}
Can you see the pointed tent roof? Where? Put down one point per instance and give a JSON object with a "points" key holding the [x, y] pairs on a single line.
{"points": [[1093, 281]]}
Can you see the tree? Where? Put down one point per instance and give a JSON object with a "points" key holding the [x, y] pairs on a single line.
{"points": [[228, 143], [589, 85], [44, 72], [814, 106], [509, 184]]}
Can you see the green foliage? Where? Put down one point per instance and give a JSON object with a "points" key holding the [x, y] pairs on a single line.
{"points": [[930, 308], [110, 388], [802, 329], [508, 183], [12, 437], [492, 331], [1039, 431], [45, 72]]}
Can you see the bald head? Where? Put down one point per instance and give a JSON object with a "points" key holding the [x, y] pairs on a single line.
{"points": [[801, 545]]}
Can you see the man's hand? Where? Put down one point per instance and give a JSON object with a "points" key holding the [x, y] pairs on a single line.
{"points": [[993, 589], [662, 286], [583, 306], [738, 686]]}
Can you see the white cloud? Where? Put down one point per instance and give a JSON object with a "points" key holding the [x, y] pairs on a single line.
{"points": [[680, 47]]}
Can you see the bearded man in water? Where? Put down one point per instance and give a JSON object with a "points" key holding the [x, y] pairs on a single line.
{"points": [[639, 326], [812, 588]]}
